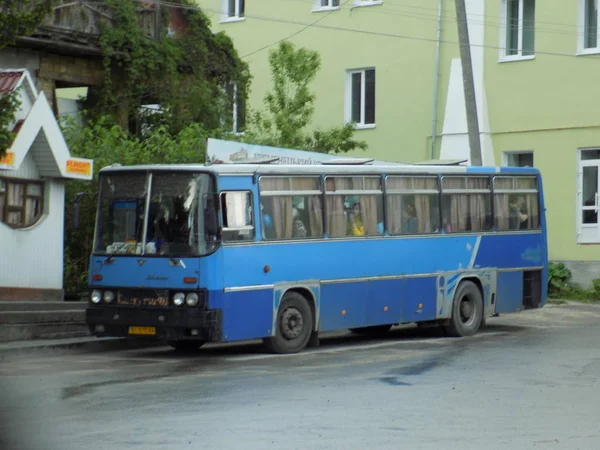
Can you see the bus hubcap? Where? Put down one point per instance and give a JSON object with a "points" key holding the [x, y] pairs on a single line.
{"points": [[291, 323], [466, 309]]}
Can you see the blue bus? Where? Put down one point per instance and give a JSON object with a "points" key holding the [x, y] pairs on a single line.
{"points": [[189, 254]]}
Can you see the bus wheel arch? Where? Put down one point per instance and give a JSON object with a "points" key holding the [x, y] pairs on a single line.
{"points": [[467, 314], [310, 298], [294, 323]]}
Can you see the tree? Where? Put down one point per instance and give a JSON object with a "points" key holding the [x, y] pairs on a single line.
{"points": [[19, 18], [186, 74], [9, 104], [104, 141], [290, 107], [16, 19]]}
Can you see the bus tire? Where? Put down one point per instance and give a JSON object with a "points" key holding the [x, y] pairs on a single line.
{"points": [[467, 311], [294, 325], [186, 346], [376, 330]]}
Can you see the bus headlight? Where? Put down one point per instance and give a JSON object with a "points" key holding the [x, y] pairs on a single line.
{"points": [[192, 299], [96, 296], [109, 296], [178, 299]]}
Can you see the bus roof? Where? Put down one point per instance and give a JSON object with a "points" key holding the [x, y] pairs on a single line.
{"points": [[280, 169]]}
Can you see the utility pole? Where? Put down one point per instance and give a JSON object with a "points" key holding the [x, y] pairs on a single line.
{"points": [[468, 84]]}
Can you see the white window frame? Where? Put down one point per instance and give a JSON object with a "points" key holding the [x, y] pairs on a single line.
{"points": [[581, 50], [348, 98], [506, 154], [579, 197], [225, 18], [318, 8], [503, 41], [366, 3]]}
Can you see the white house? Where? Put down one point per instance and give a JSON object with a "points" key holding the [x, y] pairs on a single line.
{"points": [[32, 196]]}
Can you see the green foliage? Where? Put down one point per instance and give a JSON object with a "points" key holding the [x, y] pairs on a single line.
{"points": [[558, 277], [9, 104], [107, 143], [19, 18], [560, 287], [186, 74], [290, 107]]}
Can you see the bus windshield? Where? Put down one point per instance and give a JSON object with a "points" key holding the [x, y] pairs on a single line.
{"points": [[176, 216]]}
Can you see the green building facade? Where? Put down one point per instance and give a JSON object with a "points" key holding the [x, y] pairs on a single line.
{"points": [[395, 69]]}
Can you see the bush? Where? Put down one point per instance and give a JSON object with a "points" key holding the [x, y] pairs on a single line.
{"points": [[558, 277]]}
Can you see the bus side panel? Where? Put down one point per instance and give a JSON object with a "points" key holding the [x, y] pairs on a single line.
{"points": [[506, 251], [421, 295], [247, 314], [509, 292], [386, 302], [343, 305]]}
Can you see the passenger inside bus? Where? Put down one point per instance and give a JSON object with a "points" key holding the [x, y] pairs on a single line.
{"points": [[410, 223], [299, 228], [356, 225], [518, 214]]}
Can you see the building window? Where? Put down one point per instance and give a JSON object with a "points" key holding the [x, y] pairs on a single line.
{"points": [[516, 203], [517, 159], [588, 19], [21, 202], [291, 207], [588, 203], [236, 107], [412, 205], [466, 204], [354, 206], [325, 5], [238, 223], [232, 10], [519, 30], [360, 97]]}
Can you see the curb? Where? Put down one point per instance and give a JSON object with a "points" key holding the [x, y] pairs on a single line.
{"points": [[84, 344]]}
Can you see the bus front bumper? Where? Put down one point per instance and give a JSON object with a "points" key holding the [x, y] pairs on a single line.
{"points": [[164, 324]]}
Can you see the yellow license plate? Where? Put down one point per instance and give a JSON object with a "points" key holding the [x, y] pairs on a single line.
{"points": [[146, 331]]}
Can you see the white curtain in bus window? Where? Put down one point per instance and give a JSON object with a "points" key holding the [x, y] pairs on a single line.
{"points": [[237, 216], [354, 206], [466, 204], [412, 205], [291, 207], [516, 203]]}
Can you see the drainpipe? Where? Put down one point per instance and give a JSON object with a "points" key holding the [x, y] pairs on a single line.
{"points": [[436, 82]]}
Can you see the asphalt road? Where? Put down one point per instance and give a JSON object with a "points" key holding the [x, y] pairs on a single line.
{"points": [[528, 381]]}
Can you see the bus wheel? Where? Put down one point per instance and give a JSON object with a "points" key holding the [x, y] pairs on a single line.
{"points": [[467, 311], [186, 346], [294, 325], [377, 330]]}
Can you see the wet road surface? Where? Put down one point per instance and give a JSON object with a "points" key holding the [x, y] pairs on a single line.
{"points": [[529, 380]]}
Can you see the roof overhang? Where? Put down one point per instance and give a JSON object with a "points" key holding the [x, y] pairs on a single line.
{"points": [[41, 135]]}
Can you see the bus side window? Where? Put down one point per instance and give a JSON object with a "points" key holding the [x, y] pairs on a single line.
{"points": [[291, 207], [354, 206], [412, 205], [516, 203], [238, 224], [466, 203]]}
